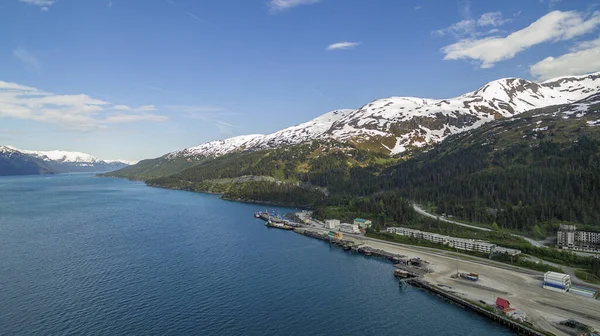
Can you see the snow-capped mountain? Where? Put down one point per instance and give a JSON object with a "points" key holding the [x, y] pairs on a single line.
{"points": [[416, 122], [290, 136], [398, 124], [64, 157], [61, 161]]}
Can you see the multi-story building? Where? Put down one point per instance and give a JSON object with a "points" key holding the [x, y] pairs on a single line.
{"points": [[569, 238], [458, 243], [349, 228], [332, 224]]}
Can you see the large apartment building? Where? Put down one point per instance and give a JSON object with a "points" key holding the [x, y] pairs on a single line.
{"points": [[569, 238], [458, 243]]}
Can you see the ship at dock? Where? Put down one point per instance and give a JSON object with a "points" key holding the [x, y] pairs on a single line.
{"points": [[276, 225]]}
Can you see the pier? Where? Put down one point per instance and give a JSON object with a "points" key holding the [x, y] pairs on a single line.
{"points": [[512, 324], [412, 269]]}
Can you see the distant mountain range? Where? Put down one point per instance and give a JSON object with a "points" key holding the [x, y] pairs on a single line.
{"points": [[15, 161]]}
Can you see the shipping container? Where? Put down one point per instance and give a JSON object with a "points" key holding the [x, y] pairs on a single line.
{"points": [[583, 292], [560, 290]]}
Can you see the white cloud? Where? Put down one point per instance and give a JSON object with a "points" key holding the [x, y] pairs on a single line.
{"points": [[75, 112], [417, 7], [43, 4], [459, 29], [39, 2], [583, 58], [552, 27], [491, 19], [468, 26], [279, 5], [129, 118], [342, 45], [27, 58], [144, 108]]}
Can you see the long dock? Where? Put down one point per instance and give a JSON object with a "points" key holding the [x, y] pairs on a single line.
{"points": [[512, 324]]}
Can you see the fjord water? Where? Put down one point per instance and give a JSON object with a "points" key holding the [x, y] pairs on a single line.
{"points": [[81, 255]]}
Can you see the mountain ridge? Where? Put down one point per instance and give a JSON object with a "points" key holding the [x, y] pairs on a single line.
{"points": [[398, 124], [52, 162]]}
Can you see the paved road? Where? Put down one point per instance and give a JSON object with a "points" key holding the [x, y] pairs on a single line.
{"points": [[444, 219]]}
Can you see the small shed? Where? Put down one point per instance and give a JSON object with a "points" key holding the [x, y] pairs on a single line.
{"points": [[502, 303]]}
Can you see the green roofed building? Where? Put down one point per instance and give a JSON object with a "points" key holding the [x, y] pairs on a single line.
{"points": [[363, 223]]}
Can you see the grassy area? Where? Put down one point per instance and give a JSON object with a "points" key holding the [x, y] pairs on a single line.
{"points": [[587, 276]]}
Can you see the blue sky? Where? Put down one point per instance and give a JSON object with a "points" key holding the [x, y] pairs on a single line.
{"points": [[133, 79]]}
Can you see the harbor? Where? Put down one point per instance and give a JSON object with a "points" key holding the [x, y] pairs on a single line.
{"points": [[474, 283]]}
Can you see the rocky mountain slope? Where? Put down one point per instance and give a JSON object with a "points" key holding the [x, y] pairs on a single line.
{"points": [[391, 126], [398, 124], [26, 162], [14, 162]]}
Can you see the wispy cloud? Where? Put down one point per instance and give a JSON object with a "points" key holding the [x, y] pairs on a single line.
{"points": [[109, 4], [78, 112], [224, 127], [468, 27], [28, 59], [195, 17], [43, 4], [417, 7], [552, 27], [144, 108], [583, 58], [130, 118], [280, 5], [492, 19], [342, 45], [208, 114]]}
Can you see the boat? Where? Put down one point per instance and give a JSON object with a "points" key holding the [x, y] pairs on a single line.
{"points": [[269, 223], [368, 252], [257, 215]]}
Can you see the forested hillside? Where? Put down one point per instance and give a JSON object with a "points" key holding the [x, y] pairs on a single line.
{"points": [[526, 174]]}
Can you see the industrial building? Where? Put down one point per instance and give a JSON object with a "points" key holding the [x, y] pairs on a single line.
{"points": [[458, 243], [557, 282], [363, 223], [332, 224], [349, 228], [569, 238]]}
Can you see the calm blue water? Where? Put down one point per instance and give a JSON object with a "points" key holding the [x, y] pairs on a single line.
{"points": [[81, 255]]}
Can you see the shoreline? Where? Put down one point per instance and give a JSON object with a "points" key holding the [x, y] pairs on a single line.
{"points": [[522, 287]]}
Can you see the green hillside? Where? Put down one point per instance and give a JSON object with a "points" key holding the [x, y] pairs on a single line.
{"points": [[525, 174], [154, 168]]}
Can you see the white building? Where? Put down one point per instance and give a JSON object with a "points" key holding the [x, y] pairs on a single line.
{"points": [[569, 237], [332, 224], [349, 228], [458, 243], [509, 251]]}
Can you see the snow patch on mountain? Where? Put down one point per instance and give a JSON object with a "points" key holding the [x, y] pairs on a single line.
{"points": [[415, 122], [289, 136], [63, 156]]}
